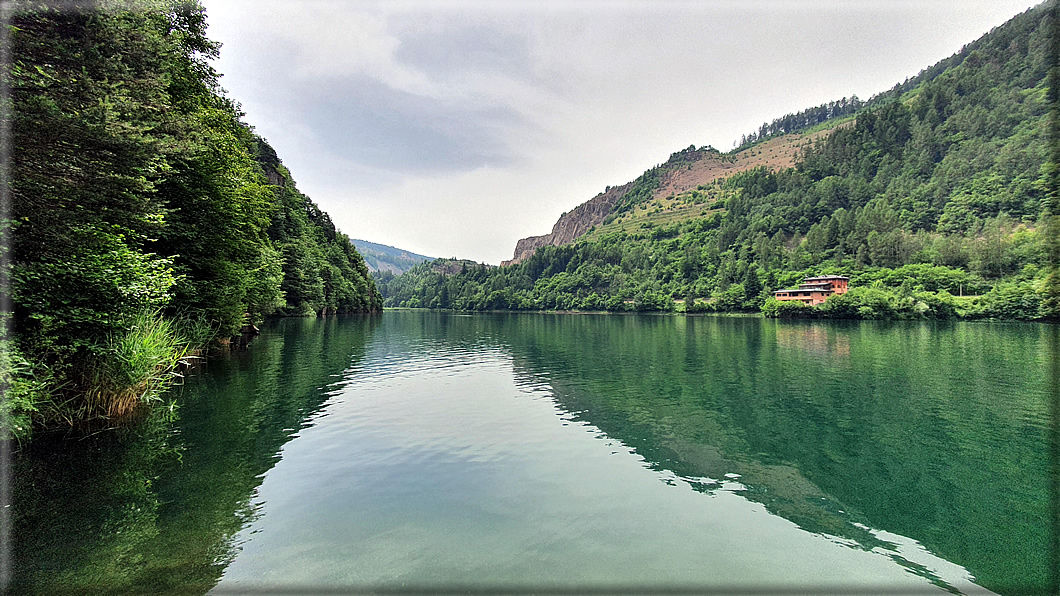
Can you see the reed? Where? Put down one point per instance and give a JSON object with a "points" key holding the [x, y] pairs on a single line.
{"points": [[134, 367]]}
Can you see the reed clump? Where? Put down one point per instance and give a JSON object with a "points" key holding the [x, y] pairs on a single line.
{"points": [[135, 366]]}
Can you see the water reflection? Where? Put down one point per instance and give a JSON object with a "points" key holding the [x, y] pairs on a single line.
{"points": [[456, 476], [512, 448], [933, 432], [814, 337], [154, 508]]}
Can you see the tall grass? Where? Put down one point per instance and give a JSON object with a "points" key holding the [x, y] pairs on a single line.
{"points": [[134, 366], [117, 376]]}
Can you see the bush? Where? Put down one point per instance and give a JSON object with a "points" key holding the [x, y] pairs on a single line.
{"points": [[694, 306], [25, 391], [788, 309], [861, 303], [651, 300], [729, 300], [940, 305], [1010, 300], [925, 277]]}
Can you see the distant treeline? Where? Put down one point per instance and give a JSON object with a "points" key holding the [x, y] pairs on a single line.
{"points": [[811, 117], [807, 118], [147, 221]]}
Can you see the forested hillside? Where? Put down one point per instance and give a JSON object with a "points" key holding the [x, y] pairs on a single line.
{"points": [[438, 275], [322, 271], [147, 220], [382, 258], [935, 200]]}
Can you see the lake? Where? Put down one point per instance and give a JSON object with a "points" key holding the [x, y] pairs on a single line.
{"points": [[421, 451]]}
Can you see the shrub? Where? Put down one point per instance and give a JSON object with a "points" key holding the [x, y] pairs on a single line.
{"points": [[1010, 300], [26, 390], [651, 300], [940, 305], [788, 309], [693, 306], [861, 303], [729, 300]]}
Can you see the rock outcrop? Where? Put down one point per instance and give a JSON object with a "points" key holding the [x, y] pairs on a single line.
{"points": [[571, 224], [684, 171]]}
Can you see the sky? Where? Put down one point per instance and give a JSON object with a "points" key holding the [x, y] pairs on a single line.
{"points": [[453, 129]]}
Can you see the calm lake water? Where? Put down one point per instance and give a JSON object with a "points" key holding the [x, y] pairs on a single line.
{"points": [[422, 451]]}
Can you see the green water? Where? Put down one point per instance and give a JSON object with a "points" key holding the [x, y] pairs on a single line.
{"points": [[423, 451]]}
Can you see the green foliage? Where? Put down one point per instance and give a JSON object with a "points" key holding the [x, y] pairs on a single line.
{"points": [[803, 120], [923, 276], [729, 299], [322, 272], [1012, 300], [789, 309], [84, 293], [1008, 300], [861, 303], [692, 305], [650, 300], [137, 189], [25, 389], [218, 207]]}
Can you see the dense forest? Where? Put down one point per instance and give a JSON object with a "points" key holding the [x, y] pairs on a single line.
{"points": [[147, 221], [938, 199]]}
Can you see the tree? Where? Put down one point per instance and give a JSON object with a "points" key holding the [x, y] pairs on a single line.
{"points": [[140, 216], [752, 288]]}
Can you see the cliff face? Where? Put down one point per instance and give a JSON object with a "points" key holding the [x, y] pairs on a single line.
{"points": [[571, 225], [685, 171]]}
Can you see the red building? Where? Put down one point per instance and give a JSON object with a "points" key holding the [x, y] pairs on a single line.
{"points": [[815, 290]]}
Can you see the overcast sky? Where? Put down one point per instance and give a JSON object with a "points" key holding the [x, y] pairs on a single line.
{"points": [[456, 128]]}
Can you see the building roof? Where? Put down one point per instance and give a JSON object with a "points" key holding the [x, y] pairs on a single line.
{"points": [[825, 277]]}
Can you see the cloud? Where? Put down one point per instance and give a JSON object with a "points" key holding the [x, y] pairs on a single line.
{"points": [[455, 46], [455, 128], [367, 122], [449, 95], [332, 40]]}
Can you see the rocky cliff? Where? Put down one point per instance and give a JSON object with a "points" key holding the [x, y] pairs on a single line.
{"points": [[684, 171], [572, 224]]}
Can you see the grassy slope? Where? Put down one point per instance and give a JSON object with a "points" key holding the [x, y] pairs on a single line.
{"points": [[697, 191]]}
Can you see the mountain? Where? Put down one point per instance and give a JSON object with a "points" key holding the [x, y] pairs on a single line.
{"points": [[380, 257], [684, 171], [937, 198], [424, 286], [775, 145]]}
